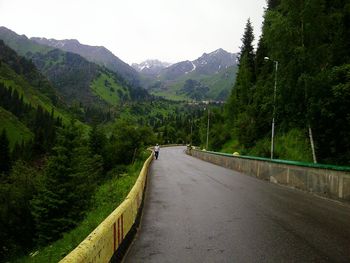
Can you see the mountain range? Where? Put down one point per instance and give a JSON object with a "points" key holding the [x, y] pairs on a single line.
{"points": [[97, 54], [74, 77], [210, 76], [151, 67], [43, 80]]}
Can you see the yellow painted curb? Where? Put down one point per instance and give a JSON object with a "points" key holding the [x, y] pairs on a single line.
{"points": [[102, 243]]}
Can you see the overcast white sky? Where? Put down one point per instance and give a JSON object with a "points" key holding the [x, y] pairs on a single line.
{"points": [[136, 30]]}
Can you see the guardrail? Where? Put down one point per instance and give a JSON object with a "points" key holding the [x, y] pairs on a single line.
{"points": [[326, 180], [102, 244]]}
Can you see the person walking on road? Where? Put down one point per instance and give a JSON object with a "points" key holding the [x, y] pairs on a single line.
{"points": [[156, 151]]}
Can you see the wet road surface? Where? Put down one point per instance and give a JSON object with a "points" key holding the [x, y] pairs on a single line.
{"points": [[199, 212]]}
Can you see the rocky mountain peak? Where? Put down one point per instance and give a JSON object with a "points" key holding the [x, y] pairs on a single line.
{"points": [[150, 67]]}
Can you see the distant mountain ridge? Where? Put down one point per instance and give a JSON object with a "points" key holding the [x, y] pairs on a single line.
{"points": [[207, 64], [211, 76], [151, 67], [97, 54], [20, 43], [75, 79]]}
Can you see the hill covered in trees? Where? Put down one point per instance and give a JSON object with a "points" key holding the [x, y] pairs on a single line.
{"points": [[52, 164], [310, 41], [97, 54], [83, 85]]}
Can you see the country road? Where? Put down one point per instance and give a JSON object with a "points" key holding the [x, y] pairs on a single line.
{"points": [[199, 212]]}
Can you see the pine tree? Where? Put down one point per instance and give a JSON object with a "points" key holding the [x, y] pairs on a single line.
{"points": [[97, 141], [71, 173], [271, 4], [17, 227], [239, 110], [5, 159], [17, 152], [246, 70], [247, 49]]}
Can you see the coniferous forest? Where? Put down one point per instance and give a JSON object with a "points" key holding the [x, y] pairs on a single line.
{"points": [[57, 151], [310, 42]]}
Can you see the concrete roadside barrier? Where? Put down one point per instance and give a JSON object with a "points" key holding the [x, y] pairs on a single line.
{"points": [[105, 242], [326, 180]]}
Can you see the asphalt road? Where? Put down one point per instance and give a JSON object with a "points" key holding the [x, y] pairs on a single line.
{"points": [[199, 212]]}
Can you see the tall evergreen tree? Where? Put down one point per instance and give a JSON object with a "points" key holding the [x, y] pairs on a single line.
{"points": [[239, 104], [5, 158], [17, 228], [97, 141], [247, 49], [71, 174]]}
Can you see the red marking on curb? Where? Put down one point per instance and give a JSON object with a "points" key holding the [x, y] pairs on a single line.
{"points": [[122, 227], [118, 231], [114, 238]]}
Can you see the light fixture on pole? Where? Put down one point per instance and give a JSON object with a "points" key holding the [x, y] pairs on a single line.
{"points": [[208, 130], [274, 106], [191, 121]]}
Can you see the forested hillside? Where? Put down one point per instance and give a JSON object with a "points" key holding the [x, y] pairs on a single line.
{"points": [[310, 42], [27, 100], [97, 54], [89, 90], [52, 166]]}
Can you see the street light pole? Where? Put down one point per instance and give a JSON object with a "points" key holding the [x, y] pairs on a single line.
{"points": [[208, 129], [274, 108], [191, 132]]}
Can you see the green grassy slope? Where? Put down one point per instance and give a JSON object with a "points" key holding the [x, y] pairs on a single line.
{"points": [[73, 77], [30, 94], [219, 85], [108, 89], [170, 93], [77, 80], [16, 130], [293, 145]]}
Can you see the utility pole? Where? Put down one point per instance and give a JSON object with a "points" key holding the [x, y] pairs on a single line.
{"points": [[191, 132], [208, 130], [274, 107], [312, 145]]}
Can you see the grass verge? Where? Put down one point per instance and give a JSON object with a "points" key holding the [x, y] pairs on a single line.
{"points": [[293, 145]]}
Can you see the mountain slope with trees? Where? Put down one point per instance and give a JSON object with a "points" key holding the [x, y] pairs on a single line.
{"points": [[52, 167], [25, 97], [210, 77], [16, 131], [99, 55], [310, 40], [42, 159], [83, 85]]}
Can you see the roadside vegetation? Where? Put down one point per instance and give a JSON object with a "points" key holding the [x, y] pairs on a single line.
{"points": [[310, 42], [108, 195]]}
